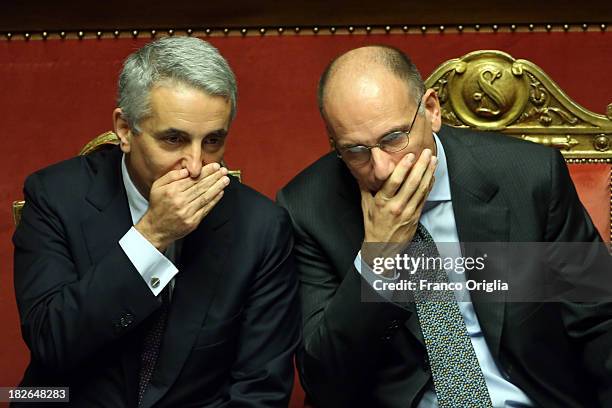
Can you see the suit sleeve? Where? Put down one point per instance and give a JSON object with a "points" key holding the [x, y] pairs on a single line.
{"points": [[342, 333], [68, 314], [589, 323], [262, 375]]}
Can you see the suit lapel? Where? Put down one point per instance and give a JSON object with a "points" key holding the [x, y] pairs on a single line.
{"points": [[201, 265], [481, 216]]}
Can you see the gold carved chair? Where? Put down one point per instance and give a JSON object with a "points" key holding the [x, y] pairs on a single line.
{"points": [[104, 141], [490, 90]]}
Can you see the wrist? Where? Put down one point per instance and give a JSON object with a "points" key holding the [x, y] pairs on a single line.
{"points": [[148, 232]]}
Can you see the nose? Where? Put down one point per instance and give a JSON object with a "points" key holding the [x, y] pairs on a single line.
{"points": [[382, 165], [193, 158]]}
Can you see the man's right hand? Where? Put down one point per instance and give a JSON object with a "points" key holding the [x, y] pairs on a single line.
{"points": [[178, 203], [392, 215]]}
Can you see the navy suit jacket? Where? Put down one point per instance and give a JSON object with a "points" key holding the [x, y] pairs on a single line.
{"points": [[234, 319]]}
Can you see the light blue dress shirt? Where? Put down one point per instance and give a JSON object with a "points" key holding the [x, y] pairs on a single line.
{"points": [[152, 265], [439, 219]]}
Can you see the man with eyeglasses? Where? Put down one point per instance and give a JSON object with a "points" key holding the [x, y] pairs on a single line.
{"points": [[399, 179]]}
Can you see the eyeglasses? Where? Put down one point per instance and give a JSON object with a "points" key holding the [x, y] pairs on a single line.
{"points": [[391, 143]]}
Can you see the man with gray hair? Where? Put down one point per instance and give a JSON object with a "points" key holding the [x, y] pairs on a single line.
{"points": [[145, 275]]}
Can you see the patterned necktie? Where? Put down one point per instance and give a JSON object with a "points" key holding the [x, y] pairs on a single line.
{"points": [[458, 380], [152, 342]]}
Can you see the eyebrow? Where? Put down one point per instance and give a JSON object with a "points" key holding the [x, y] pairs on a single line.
{"points": [[401, 128], [181, 133]]}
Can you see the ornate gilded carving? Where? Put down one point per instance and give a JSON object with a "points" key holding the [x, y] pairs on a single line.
{"points": [[490, 90]]}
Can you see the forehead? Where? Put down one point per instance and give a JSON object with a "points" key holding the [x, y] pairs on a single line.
{"points": [[366, 105], [183, 104]]}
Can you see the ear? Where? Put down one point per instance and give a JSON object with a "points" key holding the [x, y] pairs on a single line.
{"points": [[122, 130], [432, 109], [332, 143]]}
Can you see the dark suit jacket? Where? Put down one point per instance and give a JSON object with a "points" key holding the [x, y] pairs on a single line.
{"points": [[372, 354], [234, 319]]}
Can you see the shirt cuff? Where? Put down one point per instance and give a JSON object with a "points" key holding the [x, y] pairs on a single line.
{"points": [[156, 270]]}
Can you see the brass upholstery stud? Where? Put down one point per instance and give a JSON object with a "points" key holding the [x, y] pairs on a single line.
{"points": [[495, 27], [62, 34], [45, 35], [332, 30], [405, 28], [566, 27], [134, 33], [460, 27], [387, 28], [243, 31], [351, 29], [116, 33], [262, 31], [513, 27], [423, 28], [477, 27], [27, 36]]}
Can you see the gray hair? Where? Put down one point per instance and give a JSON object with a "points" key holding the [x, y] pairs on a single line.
{"points": [[183, 60], [393, 59]]}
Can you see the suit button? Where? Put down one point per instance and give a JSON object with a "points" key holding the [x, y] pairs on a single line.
{"points": [[155, 282]]}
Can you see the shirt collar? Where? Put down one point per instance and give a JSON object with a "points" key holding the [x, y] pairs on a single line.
{"points": [[138, 204], [441, 188]]}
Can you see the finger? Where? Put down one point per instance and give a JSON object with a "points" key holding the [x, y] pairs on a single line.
{"points": [[171, 177], [418, 199], [413, 180], [209, 169], [202, 212], [395, 180], [204, 184], [210, 194]]}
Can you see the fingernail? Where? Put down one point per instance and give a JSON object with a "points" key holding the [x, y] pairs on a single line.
{"points": [[434, 160], [223, 171], [216, 166], [409, 158], [226, 180], [427, 152]]}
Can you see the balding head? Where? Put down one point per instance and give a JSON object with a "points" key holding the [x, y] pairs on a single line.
{"points": [[367, 64]]}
